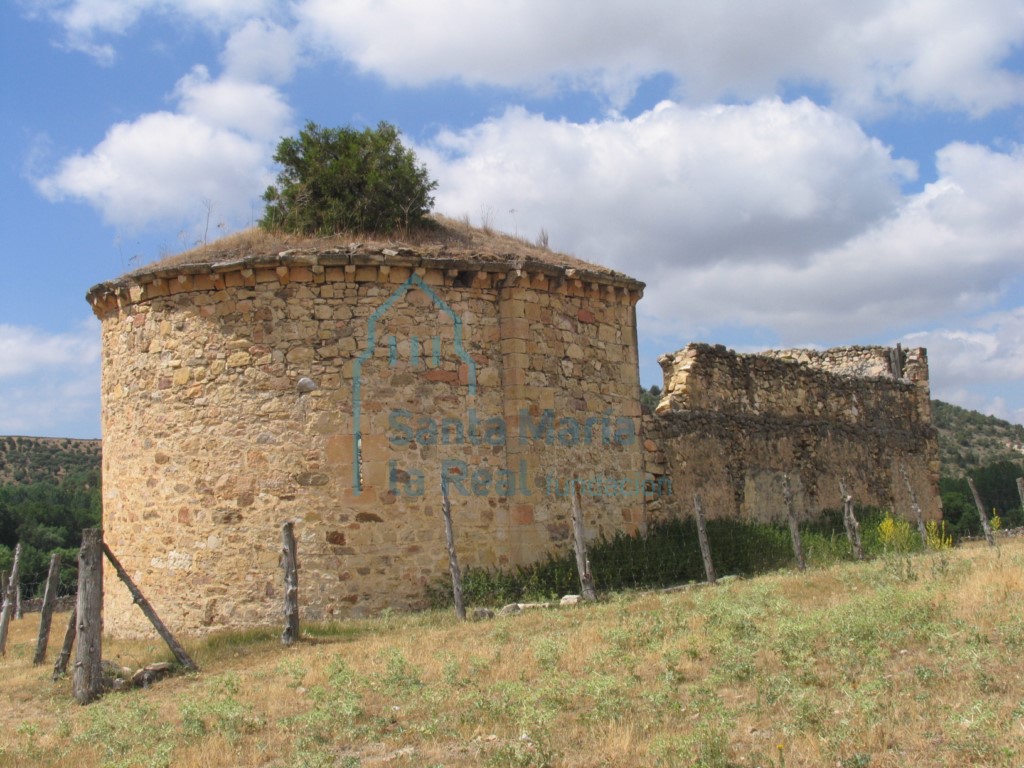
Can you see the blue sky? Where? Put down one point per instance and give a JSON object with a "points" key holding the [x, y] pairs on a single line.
{"points": [[783, 174]]}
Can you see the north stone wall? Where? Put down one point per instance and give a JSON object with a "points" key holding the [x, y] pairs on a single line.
{"points": [[732, 426]]}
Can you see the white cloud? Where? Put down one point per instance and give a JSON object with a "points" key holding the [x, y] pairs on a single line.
{"points": [[952, 248], [261, 51], [84, 20], [870, 55], [676, 186], [28, 351], [990, 350], [936, 53], [49, 380], [246, 109], [159, 167], [781, 217]]}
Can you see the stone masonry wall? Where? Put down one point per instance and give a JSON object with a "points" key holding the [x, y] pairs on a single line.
{"points": [[336, 389], [731, 426], [506, 379]]}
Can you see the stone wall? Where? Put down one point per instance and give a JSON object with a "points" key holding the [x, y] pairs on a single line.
{"points": [[334, 389], [732, 426]]}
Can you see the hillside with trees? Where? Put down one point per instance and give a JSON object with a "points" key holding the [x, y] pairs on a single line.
{"points": [[968, 439], [27, 460], [49, 492]]}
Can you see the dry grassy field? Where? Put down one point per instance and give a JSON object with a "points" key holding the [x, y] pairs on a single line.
{"points": [[902, 661]]}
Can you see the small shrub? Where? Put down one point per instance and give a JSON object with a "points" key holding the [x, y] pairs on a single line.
{"points": [[938, 538], [339, 179], [895, 535]]}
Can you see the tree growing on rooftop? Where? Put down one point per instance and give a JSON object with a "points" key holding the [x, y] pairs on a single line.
{"points": [[341, 179]]}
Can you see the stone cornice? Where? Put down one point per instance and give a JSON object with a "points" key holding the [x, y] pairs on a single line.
{"points": [[352, 265]]}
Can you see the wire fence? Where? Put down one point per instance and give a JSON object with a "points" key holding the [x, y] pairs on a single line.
{"points": [[668, 554]]}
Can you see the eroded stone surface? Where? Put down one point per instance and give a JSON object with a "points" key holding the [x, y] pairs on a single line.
{"points": [[731, 426]]}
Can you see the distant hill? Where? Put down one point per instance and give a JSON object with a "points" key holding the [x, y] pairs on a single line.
{"points": [[968, 439], [25, 460]]}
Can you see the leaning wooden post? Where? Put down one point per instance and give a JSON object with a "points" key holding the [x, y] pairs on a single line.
{"points": [[46, 612], [915, 506], [87, 677], [702, 539], [60, 666], [982, 514], [587, 591], [453, 560], [9, 596], [850, 523], [794, 526], [137, 597], [290, 564], [1020, 490]]}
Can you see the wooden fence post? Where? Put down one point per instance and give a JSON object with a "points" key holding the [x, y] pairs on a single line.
{"points": [[46, 611], [1020, 490], [87, 677], [290, 563], [60, 666], [702, 539], [850, 523], [794, 526], [18, 609], [9, 596], [139, 599], [587, 591], [982, 514], [453, 560], [915, 506]]}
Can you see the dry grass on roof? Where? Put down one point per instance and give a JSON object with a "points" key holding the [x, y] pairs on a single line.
{"points": [[446, 238]]}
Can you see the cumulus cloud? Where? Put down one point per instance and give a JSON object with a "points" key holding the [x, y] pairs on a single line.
{"points": [[676, 185], [25, 350], [990, 349], [237, 106], [261, 51], [85, 21], [869, 55], [157, 168], [49, 380], [778, 215], [953, 247]]}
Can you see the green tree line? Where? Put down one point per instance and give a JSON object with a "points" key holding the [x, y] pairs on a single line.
{"points": [[997, 486], [47, 517]]}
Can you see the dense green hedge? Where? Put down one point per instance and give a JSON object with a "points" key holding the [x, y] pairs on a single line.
{"points": [[668, 554]]}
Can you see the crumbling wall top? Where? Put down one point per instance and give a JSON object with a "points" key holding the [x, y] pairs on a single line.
{"points": [[848, 384]]}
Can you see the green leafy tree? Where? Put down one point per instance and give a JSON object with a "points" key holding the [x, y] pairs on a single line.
{"points": [[47, 517], [997, 485], [341, 179], [650, 398]]}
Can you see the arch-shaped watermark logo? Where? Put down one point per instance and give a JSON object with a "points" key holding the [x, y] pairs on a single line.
{"points": [[425, 349]]}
